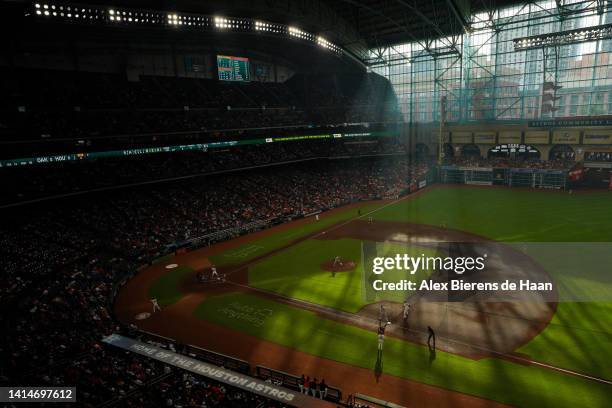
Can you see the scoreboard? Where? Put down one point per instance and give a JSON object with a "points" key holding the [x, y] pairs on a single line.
{"points": [[233, 68]]}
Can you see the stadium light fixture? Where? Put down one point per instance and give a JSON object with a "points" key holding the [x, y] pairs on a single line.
{"points": [[296, 32], [220, 22], [112, 15]]}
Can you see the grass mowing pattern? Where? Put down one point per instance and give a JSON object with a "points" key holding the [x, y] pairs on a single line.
{"points": [[578, 338], [296, 273], [509, 215], [581, 333], [491, 378], [166, 288]]}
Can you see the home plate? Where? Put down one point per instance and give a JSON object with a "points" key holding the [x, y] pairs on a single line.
{"points": [[142, 316], [171, 266]]}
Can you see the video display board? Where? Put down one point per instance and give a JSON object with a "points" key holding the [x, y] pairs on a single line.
{"points": [[233, 68]]}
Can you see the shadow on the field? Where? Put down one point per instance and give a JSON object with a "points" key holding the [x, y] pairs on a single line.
{"points": [[432, 355], [378, 367]]}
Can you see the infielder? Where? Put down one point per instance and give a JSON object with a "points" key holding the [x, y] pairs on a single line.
{"points": [[432, 336], [406, 312], [382, 315], [381, 337], [214, 275], [338, 261]]}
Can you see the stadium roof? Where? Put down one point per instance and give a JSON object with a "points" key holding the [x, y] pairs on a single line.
{"points": [[354, 25], [386, 22]]}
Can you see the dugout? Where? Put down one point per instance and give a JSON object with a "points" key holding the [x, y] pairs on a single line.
{"points": [[218, 359], [291, 381]]}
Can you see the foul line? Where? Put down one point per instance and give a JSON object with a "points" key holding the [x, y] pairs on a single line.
{"points": [[317, 234], [356, 317]]}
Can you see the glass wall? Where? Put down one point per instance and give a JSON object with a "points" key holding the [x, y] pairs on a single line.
{"points": [[483, 78]]}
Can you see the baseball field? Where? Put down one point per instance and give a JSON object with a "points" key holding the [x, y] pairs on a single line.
{"points": [[286, 305]]}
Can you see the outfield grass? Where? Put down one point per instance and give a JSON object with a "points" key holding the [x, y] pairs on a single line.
{"points": [[504, 215], [166, 288], [500, 380], [580, 334], [296, 272], [578, 338], [509, 215]]}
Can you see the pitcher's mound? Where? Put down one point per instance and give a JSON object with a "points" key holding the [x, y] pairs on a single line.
{"points": [[344, 266]]}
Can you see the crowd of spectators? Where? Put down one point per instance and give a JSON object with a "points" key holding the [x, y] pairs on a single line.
{"points": [[185, 390], [63, 258], [32, 182], [504, 162], [347, 98], [58, 105]]}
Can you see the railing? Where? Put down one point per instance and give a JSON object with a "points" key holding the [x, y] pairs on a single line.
{"points": [[286, 380], [199, 353]]}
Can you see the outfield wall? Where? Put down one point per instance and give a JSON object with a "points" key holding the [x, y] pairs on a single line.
{"points": [[511, 177], [580, 135]]}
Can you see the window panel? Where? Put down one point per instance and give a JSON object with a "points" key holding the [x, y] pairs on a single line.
{"points": [[490, 81]]}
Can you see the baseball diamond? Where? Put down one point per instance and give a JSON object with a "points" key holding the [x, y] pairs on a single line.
{"points": [[316, 318], [306, 203]]}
